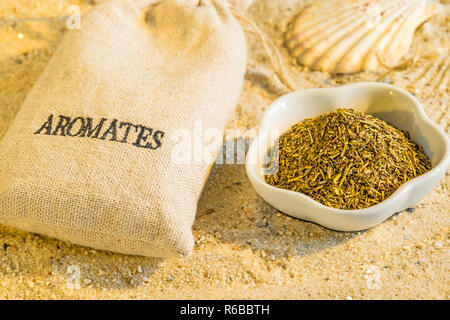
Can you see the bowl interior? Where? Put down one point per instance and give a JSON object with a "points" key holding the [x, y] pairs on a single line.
{"points": [[394, 105]]}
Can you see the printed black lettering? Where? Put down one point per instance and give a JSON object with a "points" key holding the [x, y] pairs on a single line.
{"points": [[128, 127], [47, 126], [157, 136], [62, 124], [89, 132], [112, 130], [82, 127], [144, 133], [72, 123]]}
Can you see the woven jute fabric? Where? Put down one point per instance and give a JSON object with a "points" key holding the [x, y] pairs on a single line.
{"points": [[89, 158]]}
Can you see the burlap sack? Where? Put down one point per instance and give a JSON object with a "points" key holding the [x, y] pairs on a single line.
{"points": [[89, 157]]}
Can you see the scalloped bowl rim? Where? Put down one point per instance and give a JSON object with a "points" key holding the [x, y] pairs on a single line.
{"points": [[375, 209]]}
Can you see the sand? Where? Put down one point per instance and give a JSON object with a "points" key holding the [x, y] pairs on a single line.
{"points": [[244, 248]]}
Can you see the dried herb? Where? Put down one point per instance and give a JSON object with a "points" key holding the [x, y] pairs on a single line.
{"points": [[345, 159]]}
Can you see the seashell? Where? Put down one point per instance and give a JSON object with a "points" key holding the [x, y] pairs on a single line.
{"points": [[435, 76], [429, 79], [348, 36]]}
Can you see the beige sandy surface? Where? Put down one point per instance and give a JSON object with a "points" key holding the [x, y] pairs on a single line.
{"points": [[244, 248]]}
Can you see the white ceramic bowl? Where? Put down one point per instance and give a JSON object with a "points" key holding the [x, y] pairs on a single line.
{"points": [[387, 102]]}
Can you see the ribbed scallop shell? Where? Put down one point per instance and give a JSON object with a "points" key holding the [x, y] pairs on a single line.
{"points": [[435, 76], [432, 80], [348, 36]]}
